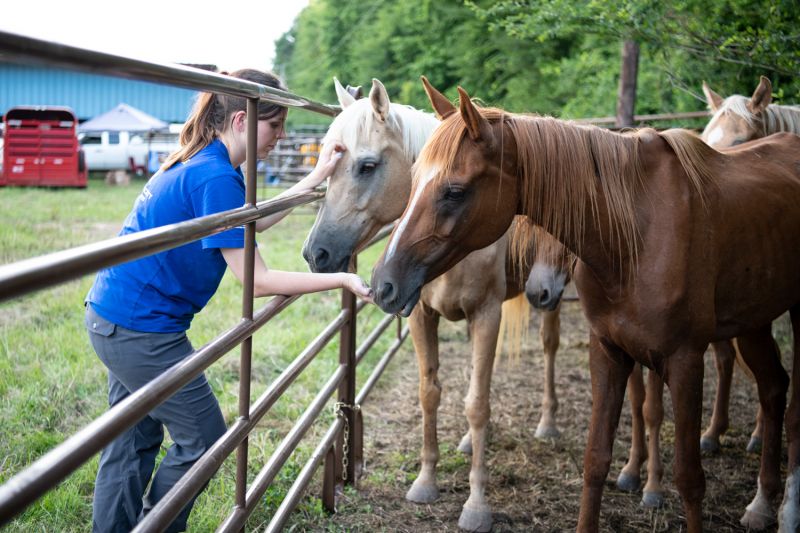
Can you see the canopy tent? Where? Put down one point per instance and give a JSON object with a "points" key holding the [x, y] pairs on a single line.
{"points": [[124, 118]]}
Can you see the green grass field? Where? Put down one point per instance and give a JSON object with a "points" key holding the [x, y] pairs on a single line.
{"points": [[52, 384]]}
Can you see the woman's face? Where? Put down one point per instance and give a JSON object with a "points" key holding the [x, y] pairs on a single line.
{"points": [[270, 131]]}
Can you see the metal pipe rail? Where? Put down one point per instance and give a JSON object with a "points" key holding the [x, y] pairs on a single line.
{"points": [[14, 47]]}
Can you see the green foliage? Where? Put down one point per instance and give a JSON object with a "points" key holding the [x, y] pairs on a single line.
{"points": [[558, 57]]}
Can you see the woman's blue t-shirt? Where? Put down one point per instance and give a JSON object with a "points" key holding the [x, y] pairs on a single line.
{"points": [[162, 292]]}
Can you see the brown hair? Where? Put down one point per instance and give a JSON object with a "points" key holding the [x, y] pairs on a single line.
{"points": [[211, 111]]}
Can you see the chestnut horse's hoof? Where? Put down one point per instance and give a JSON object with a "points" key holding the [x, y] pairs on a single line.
{"points": [[544, 433], [465, 446], [479, 519], [422, 492], [628, 483], [754, 446], [652, 500], [709, 444], [756, 521]]}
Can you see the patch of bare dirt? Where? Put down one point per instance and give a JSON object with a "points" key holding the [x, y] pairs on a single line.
{"points": [[534, 485]]}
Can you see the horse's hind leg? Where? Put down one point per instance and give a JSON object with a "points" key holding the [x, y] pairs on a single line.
{"points": [[550, 333], [653, 492], [790, 508], [610, 368], [476, 514], [423, 325], [684, 375], [724, 357], [629, 478], [760, 353]]}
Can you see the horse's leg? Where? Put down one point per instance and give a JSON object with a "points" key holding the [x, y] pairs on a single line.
{"points": [[476, 514], [724, 357], [550, 332], [754, 445], [790, 508], [629, 478], [653, 493], [610, 368], [423, 324], [762, 357], [684, 375]]}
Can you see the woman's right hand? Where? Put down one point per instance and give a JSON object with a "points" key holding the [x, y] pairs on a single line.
{"points": [[329, 156], [356, 285]]}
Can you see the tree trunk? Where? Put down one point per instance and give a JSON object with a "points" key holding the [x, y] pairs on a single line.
{"points": [[626, 99]]}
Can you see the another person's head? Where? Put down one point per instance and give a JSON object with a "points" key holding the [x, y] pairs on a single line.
{"points": [[218, 115]]}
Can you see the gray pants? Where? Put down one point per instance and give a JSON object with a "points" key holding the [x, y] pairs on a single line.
{"points": [[191, 415]]}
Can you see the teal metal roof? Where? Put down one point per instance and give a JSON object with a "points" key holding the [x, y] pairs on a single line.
{"points": [[89, 95]]}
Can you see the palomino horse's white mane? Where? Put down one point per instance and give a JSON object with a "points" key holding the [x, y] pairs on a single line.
{"points": [[776, 117], [355, 123]]}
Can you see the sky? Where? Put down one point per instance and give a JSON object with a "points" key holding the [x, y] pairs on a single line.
{"points": [[231, 34]]}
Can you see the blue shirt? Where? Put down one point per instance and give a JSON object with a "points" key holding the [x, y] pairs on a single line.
{"points": [[162, 292]]}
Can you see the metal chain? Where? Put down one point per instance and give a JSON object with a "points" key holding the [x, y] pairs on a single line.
{"points": [[337, 409]]}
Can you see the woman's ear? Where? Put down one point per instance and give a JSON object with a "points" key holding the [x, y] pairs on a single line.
{"points": [[239, 121]]}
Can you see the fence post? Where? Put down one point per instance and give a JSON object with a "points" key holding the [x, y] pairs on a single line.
{"points": [[345, 451]]}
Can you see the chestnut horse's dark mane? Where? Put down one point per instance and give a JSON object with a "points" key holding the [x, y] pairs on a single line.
{"points": [[565, 166]]}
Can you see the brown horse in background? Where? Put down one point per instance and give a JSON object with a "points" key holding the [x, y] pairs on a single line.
{"points": [[658, 222]]}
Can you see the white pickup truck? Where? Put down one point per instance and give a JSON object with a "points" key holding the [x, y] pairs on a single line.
{"points": [[111, 150]]}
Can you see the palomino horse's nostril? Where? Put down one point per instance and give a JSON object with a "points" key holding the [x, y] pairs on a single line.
{"points": [[544, 297], [320, 256]]}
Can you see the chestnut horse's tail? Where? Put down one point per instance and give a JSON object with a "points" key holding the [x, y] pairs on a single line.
{"points": [[515, 316]]}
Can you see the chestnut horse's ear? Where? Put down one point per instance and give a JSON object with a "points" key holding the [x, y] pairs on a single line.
{"points": [[441, 105], [379, 99], [477, 126], [714, 100], [345, 98], [761, 98], [355, 92]]}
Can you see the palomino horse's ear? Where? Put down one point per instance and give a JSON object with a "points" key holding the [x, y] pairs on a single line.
{"points": [[714, 100], [441, 105], [761, 98], [379, 99], [345, 98], [477, 126], [355, 92]]}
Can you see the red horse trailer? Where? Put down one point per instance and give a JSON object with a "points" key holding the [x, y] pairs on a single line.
{"points": [[41, 148]]}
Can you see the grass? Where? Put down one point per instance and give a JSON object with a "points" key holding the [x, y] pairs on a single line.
{"points": [[52, 384]]}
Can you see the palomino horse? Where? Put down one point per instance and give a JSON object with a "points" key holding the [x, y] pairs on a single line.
{"points": [[738, 119], [370, 189], [658, 222]]}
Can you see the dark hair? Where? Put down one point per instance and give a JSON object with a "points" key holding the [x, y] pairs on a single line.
{"points": [[211, 112]]}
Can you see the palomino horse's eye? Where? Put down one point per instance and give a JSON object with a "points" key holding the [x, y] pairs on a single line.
{"points": [[367, 167]]}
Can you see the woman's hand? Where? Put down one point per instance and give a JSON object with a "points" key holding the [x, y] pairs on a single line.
{"points": [[356, 285], [331, 152]]}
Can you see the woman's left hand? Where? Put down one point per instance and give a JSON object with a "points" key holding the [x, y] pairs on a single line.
{"points": [[326, 162]]}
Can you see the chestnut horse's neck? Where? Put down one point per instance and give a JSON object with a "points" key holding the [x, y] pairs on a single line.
{"points": [[584, 184]]}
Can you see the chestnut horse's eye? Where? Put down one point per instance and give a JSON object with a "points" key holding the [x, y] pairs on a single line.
{"points": [[454, 194]]}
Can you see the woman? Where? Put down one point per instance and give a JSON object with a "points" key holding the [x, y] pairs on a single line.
{"points": [[137, 313]]}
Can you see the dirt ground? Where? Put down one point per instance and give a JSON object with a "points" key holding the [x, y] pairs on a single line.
{"points": [[534, 485]]}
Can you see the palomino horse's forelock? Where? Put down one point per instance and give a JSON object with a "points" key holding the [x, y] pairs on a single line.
{"points": [[357, 122], [773, 119]]}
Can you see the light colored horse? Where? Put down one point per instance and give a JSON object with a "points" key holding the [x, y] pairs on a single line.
{"points": [[371, 188], [657, 220], [738, 119]]}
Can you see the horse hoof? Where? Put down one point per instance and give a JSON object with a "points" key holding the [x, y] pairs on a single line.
{"points": [[421, 493], [754, 446], [475, 520], [652, 500], [544, 433], [709, 444], [628, 483], [465, 446], [756, 521]]}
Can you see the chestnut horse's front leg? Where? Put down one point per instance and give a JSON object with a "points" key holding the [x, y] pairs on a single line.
{"points": [[610, 368], [484, 327], [684, 377], [423, 325]]}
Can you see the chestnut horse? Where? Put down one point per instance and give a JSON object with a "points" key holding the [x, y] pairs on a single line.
{"points": [[658, 222], [369, 189]]}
